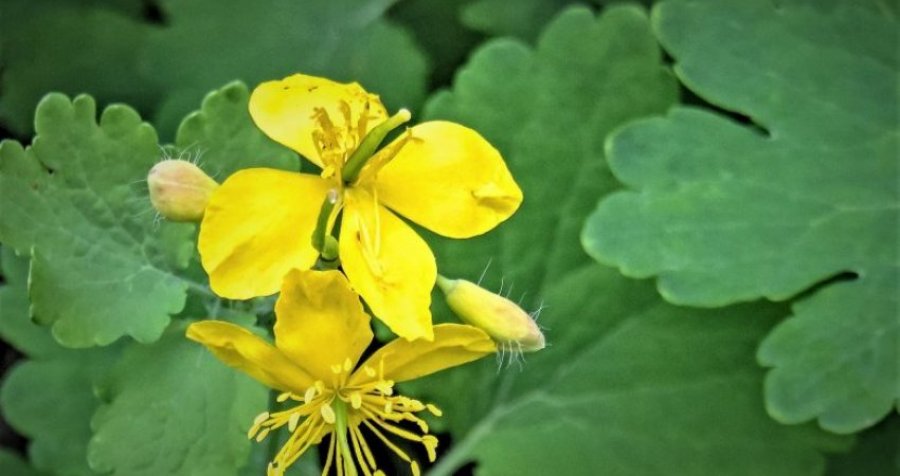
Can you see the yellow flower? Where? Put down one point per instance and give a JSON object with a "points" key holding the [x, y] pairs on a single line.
{"points": [[321, 331], [441, 175]]}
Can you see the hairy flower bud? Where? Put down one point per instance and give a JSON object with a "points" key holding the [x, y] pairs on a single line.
{"points": [[499, 317], [179, 190]]}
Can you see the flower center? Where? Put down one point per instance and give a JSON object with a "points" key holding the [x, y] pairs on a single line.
{"points": [[347, 412]]}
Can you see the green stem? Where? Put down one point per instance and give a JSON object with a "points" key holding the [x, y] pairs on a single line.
{"points": [[197, 288], [370, 144]]}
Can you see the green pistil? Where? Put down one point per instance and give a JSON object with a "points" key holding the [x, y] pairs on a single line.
{"points": [[340, 431], [370, 144], [320, 236]]}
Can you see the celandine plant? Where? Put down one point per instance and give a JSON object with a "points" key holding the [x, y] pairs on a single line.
{"points": [[326, 240]]}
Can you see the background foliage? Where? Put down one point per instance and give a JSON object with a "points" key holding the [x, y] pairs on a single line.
{"points": [[710, 227]]}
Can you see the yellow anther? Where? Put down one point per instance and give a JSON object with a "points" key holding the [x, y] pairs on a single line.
{"points": [[261, 418], [262, 435], [434, 410], [415, 468], [348, 365], [292, 421], [327, 414], [430, 443], [310, 394], [388, 407], [282, 397], [422, 425], [369, 371], [356, 400]]}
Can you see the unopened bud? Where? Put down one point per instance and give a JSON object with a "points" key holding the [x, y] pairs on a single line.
{"points": [[179, 190], [496, 315]]}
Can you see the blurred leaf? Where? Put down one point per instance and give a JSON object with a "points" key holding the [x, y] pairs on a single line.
{"points": [[438, 29], [72, 47], [174, 409], [12, 465], [76, 200], [16, 326], [206, 43], [723, 213], [523, 18], [50, 400], [876, 453], [225, 139]]}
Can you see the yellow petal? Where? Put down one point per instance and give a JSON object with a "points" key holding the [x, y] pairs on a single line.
{"points": [[388, 264], [257, 227], [450, 180], [320, 321], [285, 110], [453, 344], [245, 351]]}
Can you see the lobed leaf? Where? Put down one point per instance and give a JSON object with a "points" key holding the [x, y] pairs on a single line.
{"points": [[629, 384], [224, 139], [76, 201], [723, 212], [172, 408]]}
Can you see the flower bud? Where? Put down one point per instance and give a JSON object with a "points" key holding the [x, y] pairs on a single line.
{"points": [[499, 317], [179, 190]]}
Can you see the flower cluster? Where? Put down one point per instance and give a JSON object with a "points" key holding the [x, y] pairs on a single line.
{"points": [[333, 245]]}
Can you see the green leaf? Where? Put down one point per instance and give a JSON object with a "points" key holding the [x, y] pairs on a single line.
{"points": [[92, 48], [723, 212], [523, 18], [549, 116], [76, 200], [51, 400], [173, 409], [224, 138], [16, 326], [12, 465], [632, 385], [265, 40], [629, 384], [437, 28]]}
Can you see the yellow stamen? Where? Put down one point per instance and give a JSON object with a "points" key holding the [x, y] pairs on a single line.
{"points": [[327, 414], [356, 400], [402, 454], [330, 457], [370, 458], [292, 422]]}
